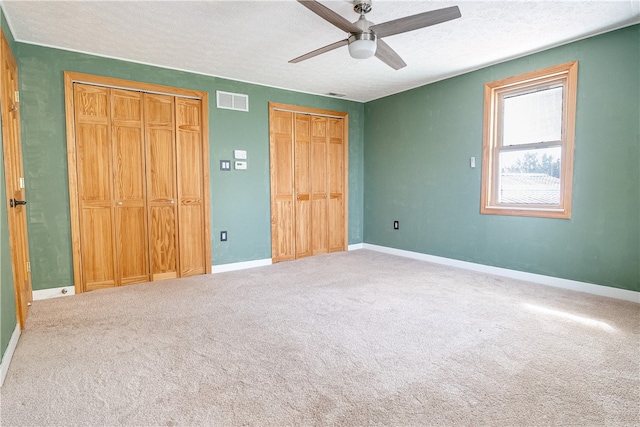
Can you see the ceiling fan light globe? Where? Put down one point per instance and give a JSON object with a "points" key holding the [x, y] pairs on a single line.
{"points": [[362, 47]]}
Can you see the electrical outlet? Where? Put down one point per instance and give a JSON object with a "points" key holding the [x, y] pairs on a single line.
{"points": [[223, 236], [396, 225]]}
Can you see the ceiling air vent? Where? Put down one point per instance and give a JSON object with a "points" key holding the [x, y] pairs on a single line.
{"points": [[232, 101]]}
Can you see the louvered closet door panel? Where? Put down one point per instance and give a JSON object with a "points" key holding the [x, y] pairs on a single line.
{"points": [[303, 224], [319, 183], [129, 186], [336, 185], [95, 177], [282, 187], [159, 116], [190, 186]]}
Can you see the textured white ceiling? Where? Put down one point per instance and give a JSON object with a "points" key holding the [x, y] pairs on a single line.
{"points": [[254, 40]]}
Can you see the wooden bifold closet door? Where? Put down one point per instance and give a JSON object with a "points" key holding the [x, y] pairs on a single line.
{"points": [[138, 178], [308, 158]]}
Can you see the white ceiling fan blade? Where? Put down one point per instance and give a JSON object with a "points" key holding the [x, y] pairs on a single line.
{"points": [[330, 16], [317, 52], [389, 56], [414, 22]]}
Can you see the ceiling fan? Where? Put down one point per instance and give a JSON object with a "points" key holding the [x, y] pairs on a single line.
{"points": [[365, 37]]}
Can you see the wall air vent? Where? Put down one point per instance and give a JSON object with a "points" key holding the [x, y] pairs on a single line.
{"points": [[232, 101]]}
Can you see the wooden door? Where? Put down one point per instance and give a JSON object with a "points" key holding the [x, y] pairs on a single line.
{"points": [[193, 169], [319, 158], [14, 182], [161, 185], [308, 161], [95, 186], [138, 181], [111, 186], [337, 182], [281, 124], [302, 184], [129, 187]]}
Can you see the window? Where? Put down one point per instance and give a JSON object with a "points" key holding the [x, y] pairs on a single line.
{"points": [[527, 160]]}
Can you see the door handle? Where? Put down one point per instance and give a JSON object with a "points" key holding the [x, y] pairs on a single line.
{"points": [[13, 202]]}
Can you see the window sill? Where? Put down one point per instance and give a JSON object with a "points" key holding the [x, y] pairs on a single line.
{"points": [[539, 212]]}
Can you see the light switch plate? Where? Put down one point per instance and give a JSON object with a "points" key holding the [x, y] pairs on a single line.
{"points": [[240, 154], [225, 165], [241, 165]]}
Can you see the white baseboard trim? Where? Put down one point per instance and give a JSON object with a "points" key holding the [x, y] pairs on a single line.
{"points": [[240, 265], [356, 246], [590, 288], [64, 291], [8, 354]]}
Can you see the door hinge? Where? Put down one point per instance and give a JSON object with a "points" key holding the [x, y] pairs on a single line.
{"points": [[21, 183], [28, 266], [16, 97]]}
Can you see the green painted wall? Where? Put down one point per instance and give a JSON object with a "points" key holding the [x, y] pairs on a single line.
{"points": [[417, 150], [418, 144], [240, 199], [7, 295]]}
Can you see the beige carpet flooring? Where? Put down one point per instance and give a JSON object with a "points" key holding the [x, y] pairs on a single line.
{"points": [[359, 339]]}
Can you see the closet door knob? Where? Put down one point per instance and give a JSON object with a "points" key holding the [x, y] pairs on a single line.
{"points": [[15, 202], [119, 203], [172, 201]]}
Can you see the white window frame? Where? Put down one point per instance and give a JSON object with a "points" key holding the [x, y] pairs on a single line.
{"points": [[494, 92]]}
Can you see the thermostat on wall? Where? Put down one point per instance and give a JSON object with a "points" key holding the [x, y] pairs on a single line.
{"points": [[240, 154], [241, 165]]}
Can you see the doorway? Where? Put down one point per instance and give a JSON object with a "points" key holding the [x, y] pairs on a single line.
{"points": [[138, 181], [309, 181]]}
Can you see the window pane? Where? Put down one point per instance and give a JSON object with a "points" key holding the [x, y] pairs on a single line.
{"points": [[532, 117], [530, 176]]}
